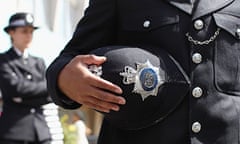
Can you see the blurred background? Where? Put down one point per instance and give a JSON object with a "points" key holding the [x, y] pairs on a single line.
{"points": [[57, 20]]}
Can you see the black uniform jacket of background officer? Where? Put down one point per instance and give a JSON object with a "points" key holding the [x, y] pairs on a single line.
{"points": [[23, 86], [210, 55]]}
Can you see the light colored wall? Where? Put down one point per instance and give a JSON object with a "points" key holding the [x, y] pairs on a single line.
{"points": [[57, 20]]}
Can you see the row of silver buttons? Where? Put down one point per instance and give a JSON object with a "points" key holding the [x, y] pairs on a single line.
{"points": [[197, 57], [197, 92], [198, 25]]}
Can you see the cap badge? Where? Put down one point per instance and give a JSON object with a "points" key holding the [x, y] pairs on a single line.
{"points": [[29, 18], [146, 77]]}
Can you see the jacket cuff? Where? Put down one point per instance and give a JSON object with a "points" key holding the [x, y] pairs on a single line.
{"points": [[52, 74]]}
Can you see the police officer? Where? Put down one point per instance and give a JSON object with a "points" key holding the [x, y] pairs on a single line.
{"points": [[23, 87], [202, 36]]}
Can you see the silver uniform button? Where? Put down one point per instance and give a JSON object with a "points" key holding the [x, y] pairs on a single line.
{"points": [[146, 24], [13, 74], [197, 92], [238, 32], [197, 58], [32, 110], [29, 77], [196, 127], [198, 24]]}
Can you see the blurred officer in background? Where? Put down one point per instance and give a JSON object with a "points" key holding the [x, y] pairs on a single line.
{"points": [[23, 86], [203, 36]]}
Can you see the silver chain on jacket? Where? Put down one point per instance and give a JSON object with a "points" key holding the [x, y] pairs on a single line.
{"points": [[205, 42]]}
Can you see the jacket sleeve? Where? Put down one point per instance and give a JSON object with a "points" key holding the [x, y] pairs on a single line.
{"points": [[95, 29]]}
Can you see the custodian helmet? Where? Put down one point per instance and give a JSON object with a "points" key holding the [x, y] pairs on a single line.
{"points": [[153, 84]]}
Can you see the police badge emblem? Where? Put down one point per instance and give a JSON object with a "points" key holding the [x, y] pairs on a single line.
{"points": [[146, 77]]}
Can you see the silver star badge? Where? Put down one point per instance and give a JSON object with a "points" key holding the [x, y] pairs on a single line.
{"points": [[147, 78]]}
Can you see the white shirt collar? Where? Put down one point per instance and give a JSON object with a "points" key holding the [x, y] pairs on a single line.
{"points": [[25, 54]]}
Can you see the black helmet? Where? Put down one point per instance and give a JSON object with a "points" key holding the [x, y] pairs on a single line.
{"points": [[19, 20], [153, 84]]}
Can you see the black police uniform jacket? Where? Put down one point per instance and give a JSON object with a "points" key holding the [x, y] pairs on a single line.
{"points": [[24, 91], [203, 37]]}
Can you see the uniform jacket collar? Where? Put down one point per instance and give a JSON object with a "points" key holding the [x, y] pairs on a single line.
{"points": [[200, 7], [13, 54], [19, 60]]}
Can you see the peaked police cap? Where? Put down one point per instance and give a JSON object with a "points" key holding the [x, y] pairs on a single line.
{"points": [[152, 81]]}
